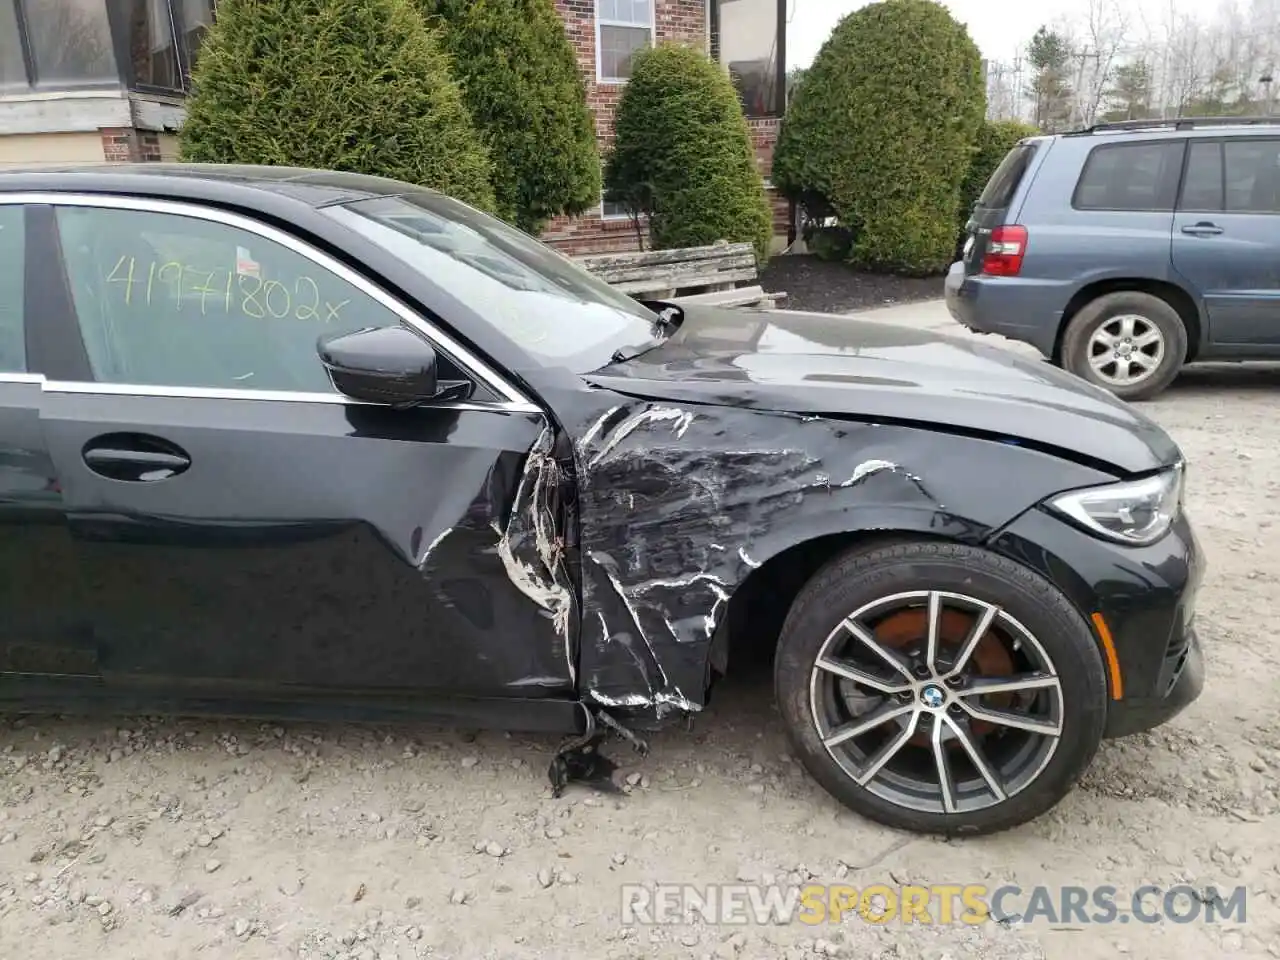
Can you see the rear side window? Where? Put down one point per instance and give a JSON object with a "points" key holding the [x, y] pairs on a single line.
{"points": [[1004, 183], [1252, 176], [1130, 176], [13, 349]]}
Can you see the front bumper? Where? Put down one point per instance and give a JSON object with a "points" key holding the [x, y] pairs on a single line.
{"points": [[1145, 595], [1184, 686]]}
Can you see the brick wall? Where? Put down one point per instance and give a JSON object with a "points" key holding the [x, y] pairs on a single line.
{"points": [[764, 136], [676, 21], [125, 145]]}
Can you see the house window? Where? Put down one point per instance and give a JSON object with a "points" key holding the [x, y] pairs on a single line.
{"points": [[152, 45], [612, 210], [623, 27], [749, 39], [13, 71], [67, 44], [163, 38]]}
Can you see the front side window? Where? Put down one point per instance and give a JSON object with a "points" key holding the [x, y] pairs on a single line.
{"points": [[624, 28], [170, 300], [1131, 176], [1252, 176], [529, 293], [70, 43], [13, 351]]}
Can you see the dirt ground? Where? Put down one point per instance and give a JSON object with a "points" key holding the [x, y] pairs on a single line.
{"points": [[178, 839]]}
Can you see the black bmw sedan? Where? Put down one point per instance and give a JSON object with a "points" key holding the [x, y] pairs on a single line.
{"points": [[280, 442]]}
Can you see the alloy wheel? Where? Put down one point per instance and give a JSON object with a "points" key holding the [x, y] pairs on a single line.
{"points": [[1126, 349], [936, 701]]}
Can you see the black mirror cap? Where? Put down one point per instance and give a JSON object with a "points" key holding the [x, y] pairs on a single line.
{"points": [[391, 365]]}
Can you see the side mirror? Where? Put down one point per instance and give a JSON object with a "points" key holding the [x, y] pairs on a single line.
{"points": [[390, 365]]}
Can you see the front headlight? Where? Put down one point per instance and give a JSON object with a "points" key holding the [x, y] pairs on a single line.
{"points": [[1133, 511]]}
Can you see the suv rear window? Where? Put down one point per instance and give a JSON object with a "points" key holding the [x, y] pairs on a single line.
{"points": [[999, 191], [1131, 176]]}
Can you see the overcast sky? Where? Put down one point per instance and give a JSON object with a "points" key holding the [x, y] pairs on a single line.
{"points": [[999, 28]]}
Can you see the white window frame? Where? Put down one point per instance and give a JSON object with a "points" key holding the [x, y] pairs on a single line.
{"points": [[611, 217], [600, 21]]}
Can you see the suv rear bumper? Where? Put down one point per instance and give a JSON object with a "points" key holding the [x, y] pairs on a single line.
{"points": [[1010, 306]]}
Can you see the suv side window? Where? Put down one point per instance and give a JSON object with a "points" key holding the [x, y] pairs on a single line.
{"points": [[1139, 176], [1202, 189], [13, 347], [170, 300], [1252, 175]]}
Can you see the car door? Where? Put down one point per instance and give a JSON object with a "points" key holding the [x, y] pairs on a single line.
{"points": [[1226, 238], [240, 526], [41, 635]]}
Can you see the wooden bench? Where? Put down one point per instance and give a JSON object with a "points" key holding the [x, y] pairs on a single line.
{"points": [[706, 275]]}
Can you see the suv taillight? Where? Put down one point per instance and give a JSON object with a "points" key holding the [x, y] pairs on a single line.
{"points": [[1005, 251]]}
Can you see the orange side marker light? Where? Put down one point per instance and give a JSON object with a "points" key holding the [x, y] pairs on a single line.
{"points": [[1109, 651]]}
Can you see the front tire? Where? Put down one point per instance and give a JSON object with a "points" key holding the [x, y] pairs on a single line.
{"points": [[939, 688], [1129, 342]]}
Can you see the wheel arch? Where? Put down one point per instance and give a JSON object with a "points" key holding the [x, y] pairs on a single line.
{"points": [[1171, 293], [759, 606]]}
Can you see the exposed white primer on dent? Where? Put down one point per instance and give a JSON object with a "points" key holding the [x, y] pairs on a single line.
{"points": [[871, 467], [662, 702], [745, 558], [868, 468], [422, 561], [541, 588], [688, 581], [679, 419], [710, 621], [598, 426]]}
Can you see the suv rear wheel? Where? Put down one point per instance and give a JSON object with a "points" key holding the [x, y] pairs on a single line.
{"points": [[1131, 343]]}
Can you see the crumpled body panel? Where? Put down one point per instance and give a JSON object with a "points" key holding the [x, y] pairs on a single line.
{"points": [[680, 504]]}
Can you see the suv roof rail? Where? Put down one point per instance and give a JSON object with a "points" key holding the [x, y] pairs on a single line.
{"points": [[1177, 123]]}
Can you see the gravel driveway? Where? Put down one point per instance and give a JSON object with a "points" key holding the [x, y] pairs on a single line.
{"points": [[173, 839]]}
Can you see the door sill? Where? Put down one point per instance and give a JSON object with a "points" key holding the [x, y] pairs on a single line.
{"points": [[78, 697]]}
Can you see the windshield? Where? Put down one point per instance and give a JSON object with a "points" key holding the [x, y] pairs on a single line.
{"points": [[527, 291]]}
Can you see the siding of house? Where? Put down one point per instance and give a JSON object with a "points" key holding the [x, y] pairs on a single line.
{"points": [[22, 150]]}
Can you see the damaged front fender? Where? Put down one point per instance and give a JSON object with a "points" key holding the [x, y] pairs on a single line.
{"points": [[679, 504]]}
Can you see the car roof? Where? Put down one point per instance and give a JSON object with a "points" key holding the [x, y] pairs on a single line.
{"points": [[1181, 127], [231, 182]]}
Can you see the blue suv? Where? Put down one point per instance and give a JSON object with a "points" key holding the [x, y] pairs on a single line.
{"points": [[1126, 250]]}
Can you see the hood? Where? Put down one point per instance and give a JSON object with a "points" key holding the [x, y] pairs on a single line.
{"points": [[823, 364]]}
